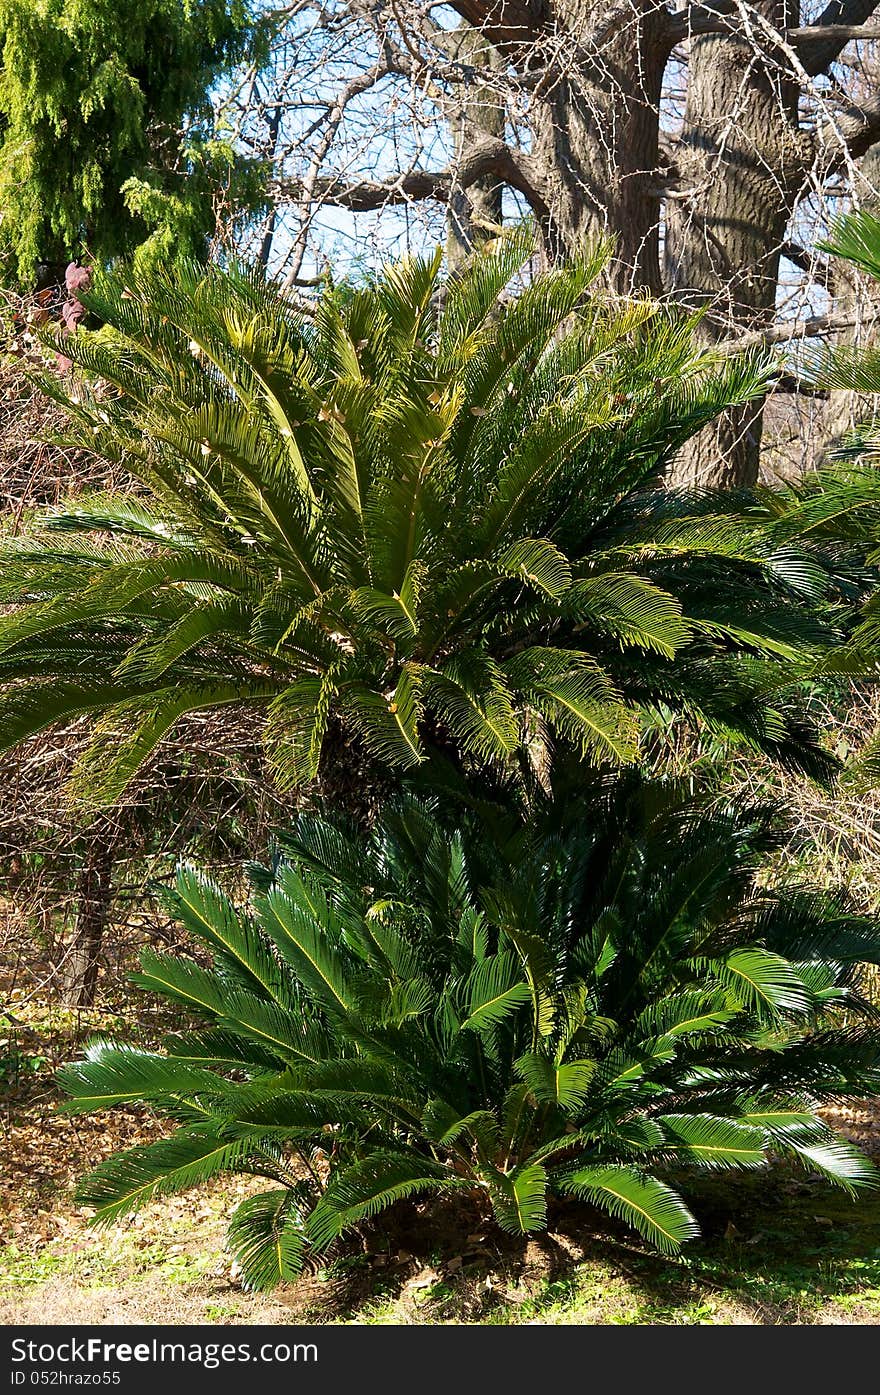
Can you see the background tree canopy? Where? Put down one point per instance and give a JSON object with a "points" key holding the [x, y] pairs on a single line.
{"points": [[107, 132]]}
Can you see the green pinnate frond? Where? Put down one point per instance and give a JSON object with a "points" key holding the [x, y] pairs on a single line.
{"points": [[493, 991], [473, 933], [297, 917], [649, 1206], [221, 1050], [472, 294], [209, 914], [442, 1124], [837, 1161], [519, 1198], [474, 700], [539, 564], [369, 1186], [396, 614], [128, 732], [565, 1083], [602, 730], [128, 1180], [267, 1239], [389, 723], [763, 982], [635, 611], [687, 1013], [119, 1074], [856, 238], [152, 657], [200, 991], [296, 727], [714, 1142], [285, 1031]]}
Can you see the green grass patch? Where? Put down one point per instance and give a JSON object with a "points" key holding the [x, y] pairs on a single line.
{"points": [[99, 1260]]}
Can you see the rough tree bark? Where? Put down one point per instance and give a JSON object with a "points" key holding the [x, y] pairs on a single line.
{"points": [[743, 157], [599, 154]]}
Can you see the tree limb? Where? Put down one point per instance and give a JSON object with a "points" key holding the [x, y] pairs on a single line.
{"points": [[505, 23], [858, 125], [787, 331], [821, 42], [837, 17], [484, 156], [794, 385], [815, 267]]}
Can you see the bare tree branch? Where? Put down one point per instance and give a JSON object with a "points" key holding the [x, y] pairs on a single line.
{"points": [[814, 266], [788, 331], [800, 387], [859, 126], [835, 19], [821, 42], [482, 157], [505, 23]]}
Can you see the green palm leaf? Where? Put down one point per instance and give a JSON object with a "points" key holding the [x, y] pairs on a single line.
{"points": [[494, 990], [714, 1142], [267, 1239], [519, 1198], [566, 1084], [124, 1182], [209, 914], [369, 1186], [763, 981], [649, 1206], [117, 1075]]}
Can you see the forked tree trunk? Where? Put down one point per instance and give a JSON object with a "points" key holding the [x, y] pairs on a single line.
{"points": [[711, 234]]}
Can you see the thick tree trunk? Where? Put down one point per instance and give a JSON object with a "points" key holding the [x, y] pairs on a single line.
{"points": [[94, 898], [740, 165], [599, 146], [711, 235], [741, 161]]}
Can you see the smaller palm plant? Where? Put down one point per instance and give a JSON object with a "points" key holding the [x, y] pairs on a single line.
{"points": [[582, 1010], [427, 513]]}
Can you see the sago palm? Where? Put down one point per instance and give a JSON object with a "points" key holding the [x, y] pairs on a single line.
{"points": [[593, 1009], [426, 511]]}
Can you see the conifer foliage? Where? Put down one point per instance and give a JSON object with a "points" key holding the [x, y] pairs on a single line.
{"points": [[93, 96]]}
